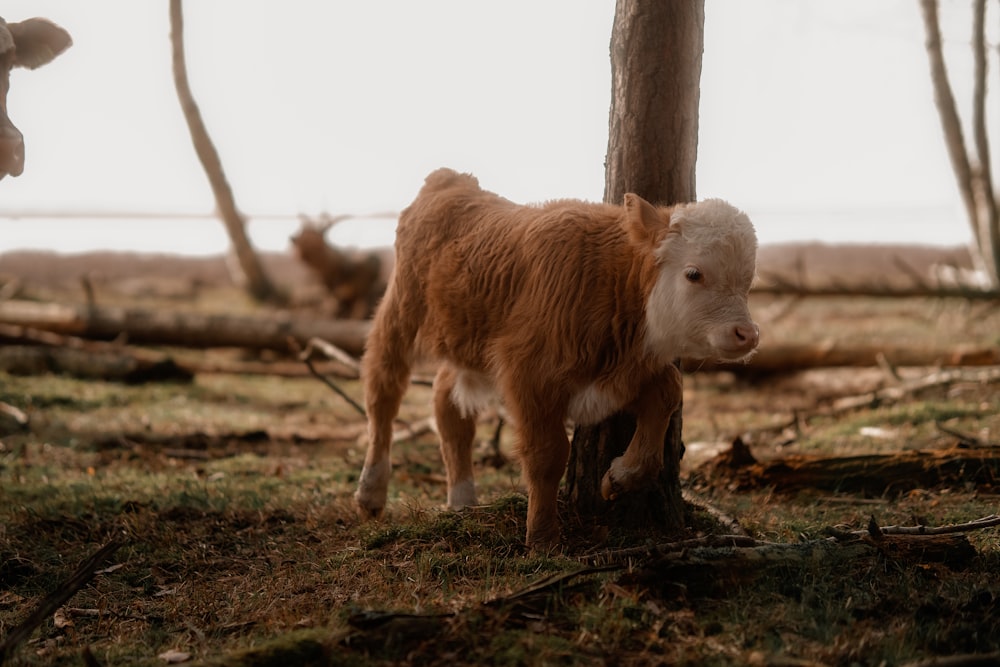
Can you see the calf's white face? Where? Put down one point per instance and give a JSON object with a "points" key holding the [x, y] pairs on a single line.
{"points": [[697, 308]]}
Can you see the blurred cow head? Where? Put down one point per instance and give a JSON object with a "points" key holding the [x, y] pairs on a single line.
{"points": [[30, 43]]}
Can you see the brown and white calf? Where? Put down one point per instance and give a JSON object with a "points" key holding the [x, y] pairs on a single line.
{"points": [[566, 310], [30, 43]]}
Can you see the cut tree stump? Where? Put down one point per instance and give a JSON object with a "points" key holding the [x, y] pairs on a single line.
{"points": [[870, 474]]}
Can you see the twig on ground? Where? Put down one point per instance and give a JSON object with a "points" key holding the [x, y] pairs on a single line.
{"points": [[412, 430], [306, 357], [57, 598], [664, 548], [873, 529], [891, 395], [332, 352], [975, 524], [19, 415], [550, 582], [961, 660], [964, 439], [728, 522]]}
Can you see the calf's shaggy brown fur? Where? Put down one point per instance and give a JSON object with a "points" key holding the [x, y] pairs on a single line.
{"points": [[567, 310]]}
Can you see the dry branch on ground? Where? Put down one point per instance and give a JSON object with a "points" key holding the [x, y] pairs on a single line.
{"points": [[51, 602]]}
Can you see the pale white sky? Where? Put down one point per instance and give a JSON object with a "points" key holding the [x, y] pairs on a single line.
{"points": [[817, 117]]}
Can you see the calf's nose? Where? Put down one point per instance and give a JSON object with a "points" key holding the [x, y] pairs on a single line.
{"points": [[748, 335]]}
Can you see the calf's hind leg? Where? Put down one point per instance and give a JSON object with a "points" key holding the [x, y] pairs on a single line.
{"points": [[456, 426], [385, 369]]}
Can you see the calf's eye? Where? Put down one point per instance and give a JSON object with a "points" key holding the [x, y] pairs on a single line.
{"points": [[693, 275]]}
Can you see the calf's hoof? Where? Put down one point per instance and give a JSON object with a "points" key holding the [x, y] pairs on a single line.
{"points": [[372, 491], [609, 489], [543, 530], [368, 511], [543, 543], [619, 479]]}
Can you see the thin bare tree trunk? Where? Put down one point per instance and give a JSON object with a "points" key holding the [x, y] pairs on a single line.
{"points": [[973, 176], [988, 232], [257, 281], [656, 50]]}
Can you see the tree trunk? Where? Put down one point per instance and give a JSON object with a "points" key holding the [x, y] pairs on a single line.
{"points": [[973, 174], [257, 281], [656, 50]]}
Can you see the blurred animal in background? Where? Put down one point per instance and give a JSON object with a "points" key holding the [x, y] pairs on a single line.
{"points": [[30, 43], [355, 278]]}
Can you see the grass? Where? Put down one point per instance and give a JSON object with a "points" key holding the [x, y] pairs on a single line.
{"points": [[232, 497]]}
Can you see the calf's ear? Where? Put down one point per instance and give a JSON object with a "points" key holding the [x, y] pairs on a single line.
{"points": [[37, 42], [643, 222]]}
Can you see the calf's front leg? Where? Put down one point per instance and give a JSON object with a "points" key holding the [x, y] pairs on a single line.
{"points": [[643, 459], [544, 451]]}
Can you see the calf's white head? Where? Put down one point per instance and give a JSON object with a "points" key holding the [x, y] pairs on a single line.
{"points": [[706, 256]]}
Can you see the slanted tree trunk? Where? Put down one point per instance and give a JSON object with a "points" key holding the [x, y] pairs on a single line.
{"points": [[972, 172], [656, 50], [257, 281]]}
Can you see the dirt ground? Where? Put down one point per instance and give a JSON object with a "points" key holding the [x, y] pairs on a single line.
{"points": [[228, 502]]}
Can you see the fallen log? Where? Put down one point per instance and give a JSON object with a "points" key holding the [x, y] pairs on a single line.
{"points": [[775, 285], [202, 330], [183, 329], [113, 366], [870, 474], [785, 357]]}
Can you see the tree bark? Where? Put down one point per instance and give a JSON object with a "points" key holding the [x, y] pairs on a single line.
{"points": [[257, 281], [656, 50]]}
